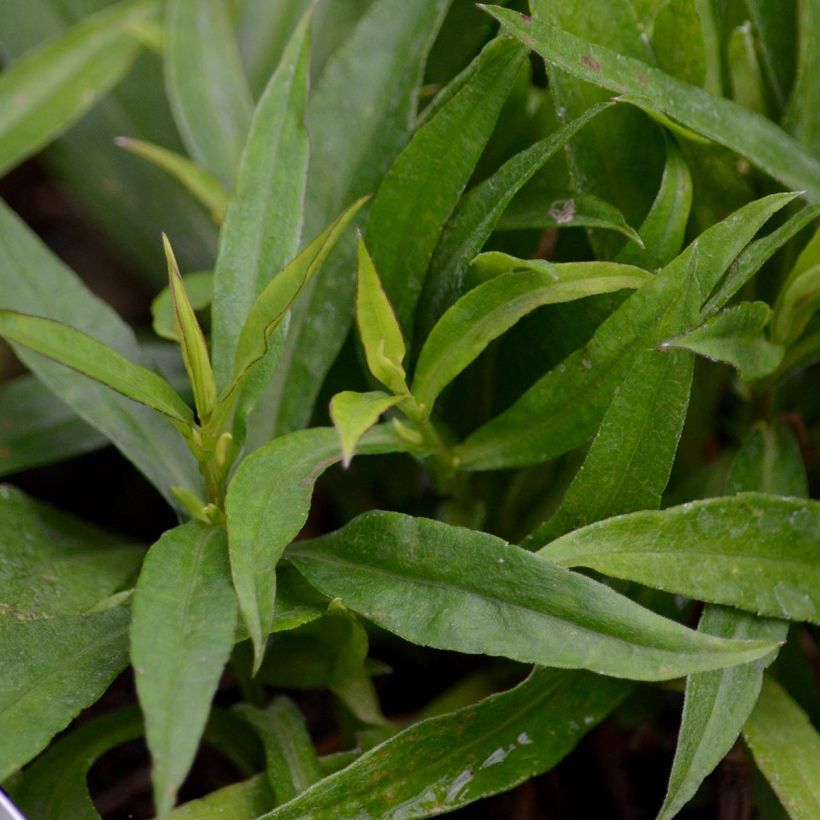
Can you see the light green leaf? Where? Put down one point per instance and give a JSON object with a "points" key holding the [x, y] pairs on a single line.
{"points": [[203, 185], [424, 185], [565, 407], [489, 310], [245, 800], [205, 84], [754, 551], [478, 213], [360, 115], [292, 765], [56, 786], [802, 116], [466, 591], [750, 135], [263, 225], [144, 438], [47, 90], [786, 748], [444, 762], [267, 505], [735, 336], [200, 290], [86, 355], [744, 70], [799, 301], [50, 670], [664, 228], [678, 43], [182, 633], [717, 704], [775, 27], [36, 428], [53, 564], [191, 339], [354, 414]]}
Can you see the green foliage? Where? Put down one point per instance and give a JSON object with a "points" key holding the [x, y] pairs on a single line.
{"points": [[551, 287]]}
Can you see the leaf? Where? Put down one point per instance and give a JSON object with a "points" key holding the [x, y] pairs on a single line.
{"points": [[477, 215], [203, 185], [36, 428], [744, 70], [182, 633], [360, 116], [200, 290], [786, 748], [717, 704], [47, 90], [53, 564], [263, 224], [802, 118], [489, 310], [86, 355], [748, 134], [55, 786], [800, 300], [379, 330], [565, 407], [678, 43], [205, 84], [754, 551], [735, 336], [50, 670], [267, 505], [246, 799], [467, 591], [444, 762], [144, 438], [423, 187], [664, 228], [628, 465], [354, 414], [775, 28], [292, 765], [192, 340]]}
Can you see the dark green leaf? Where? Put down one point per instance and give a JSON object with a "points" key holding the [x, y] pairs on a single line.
{"points": [[803, 113], [263, 224], [445, 762], [205, 84], [752, 136], [754, 551], [54, 85], [182, 634], [467, 591]]}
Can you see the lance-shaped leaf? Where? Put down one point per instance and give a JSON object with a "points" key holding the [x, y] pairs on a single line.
{"points": [[786, 748], [263, 224], [47, 90], [799, 302], [182, 633], [752, 136], [249, 798], [202, 184], [144, 438], [565, 407], [445, 762], [664, 228], [86, 355], [802, 116], [36, 428], [292, 765], [360, 116], [735, 336], [467, 591], [753, 551], [200, 289], [191, 340], [354, 414], [56, 784], [718, 703], [267, 504], [424, 185], [50, 670], [205, 84], [477, 215], [379, 329], [488, 311]]}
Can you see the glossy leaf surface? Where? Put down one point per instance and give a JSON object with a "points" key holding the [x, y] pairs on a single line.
{"points": [[458, 589]]}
